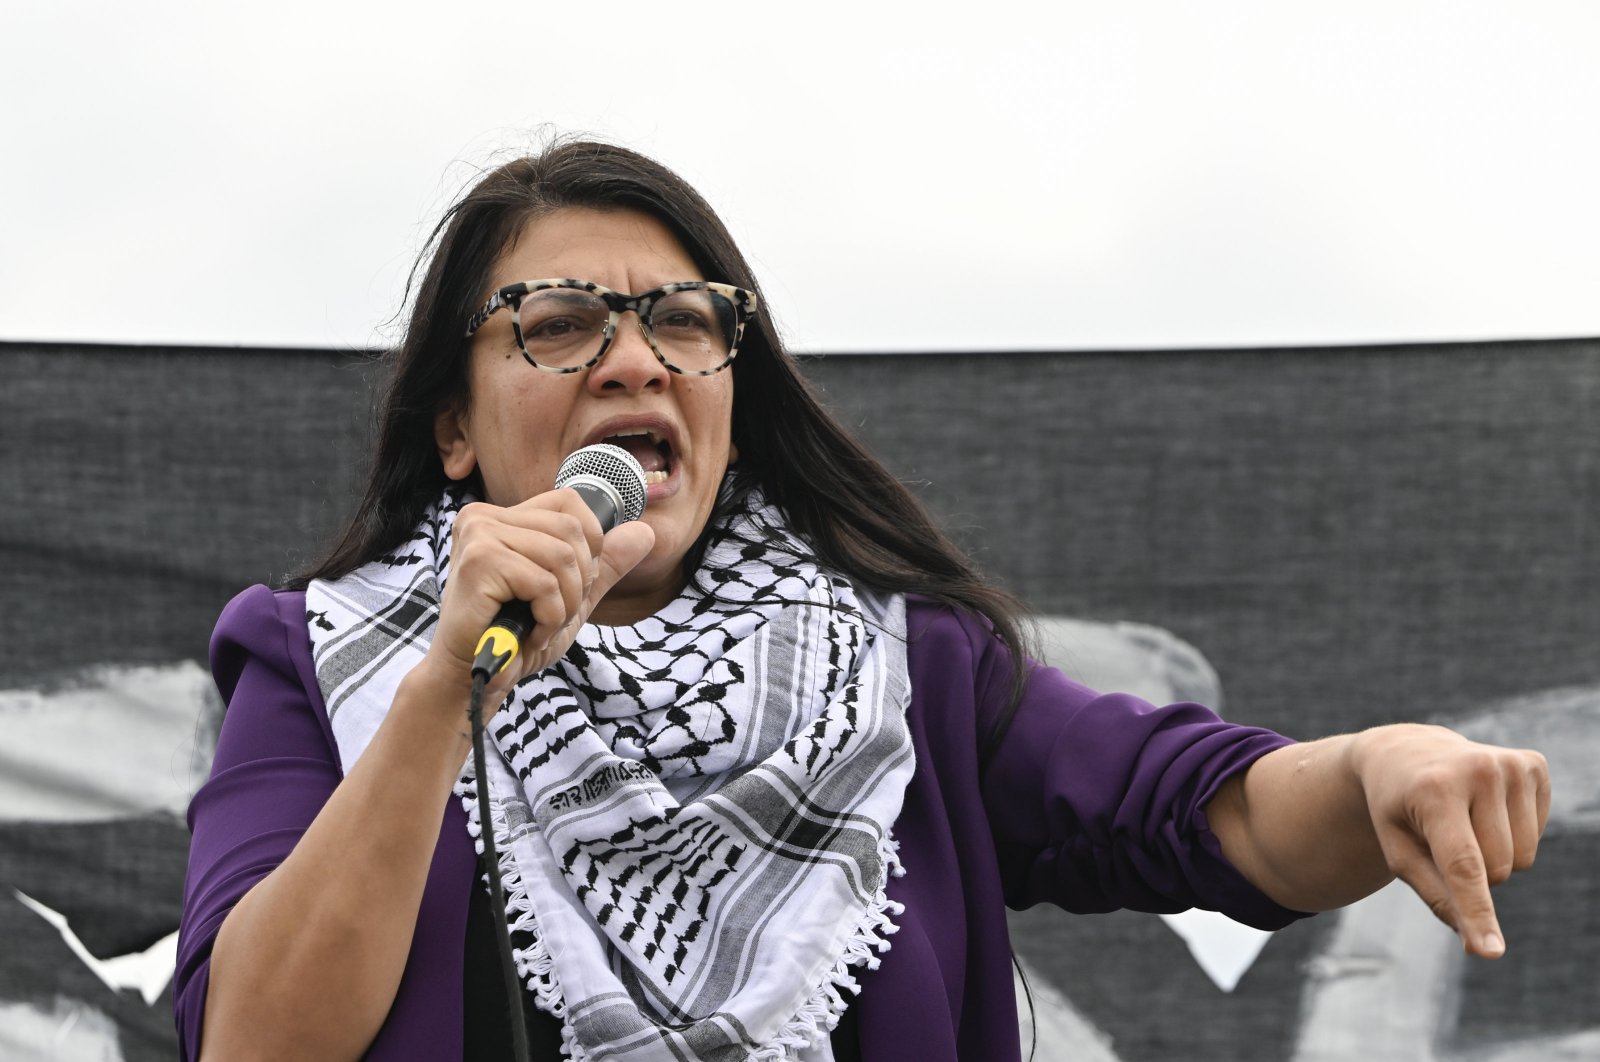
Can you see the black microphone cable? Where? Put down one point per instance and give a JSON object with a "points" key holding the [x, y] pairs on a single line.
{"points": [[497, 892], [611, 483]]}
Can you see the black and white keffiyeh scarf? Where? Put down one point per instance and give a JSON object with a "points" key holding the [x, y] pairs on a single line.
{"points": [[693, 812]]}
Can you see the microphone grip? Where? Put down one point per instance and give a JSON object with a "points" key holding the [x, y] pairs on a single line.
{"points": [[611, 484], [503, 639]]}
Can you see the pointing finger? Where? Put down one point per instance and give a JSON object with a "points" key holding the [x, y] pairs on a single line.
{"points": [[1460, 863], [1413, 865]]}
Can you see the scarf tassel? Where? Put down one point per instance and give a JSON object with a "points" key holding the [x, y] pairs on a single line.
{"points": [[534, 963], [819, 1015]]}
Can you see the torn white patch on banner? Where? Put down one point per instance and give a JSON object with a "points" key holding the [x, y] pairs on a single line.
{"points": [[147, 971]]}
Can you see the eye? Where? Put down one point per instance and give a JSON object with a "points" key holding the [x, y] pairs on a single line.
{"points": [[554, 328], [560, 317], [685, 313], [680, 319]]}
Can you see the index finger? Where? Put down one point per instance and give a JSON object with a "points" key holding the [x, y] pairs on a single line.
{"points": [[566, 500], [1454, 848]]}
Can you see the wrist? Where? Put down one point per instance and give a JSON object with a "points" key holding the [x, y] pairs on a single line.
{"points": [[438, 690]]}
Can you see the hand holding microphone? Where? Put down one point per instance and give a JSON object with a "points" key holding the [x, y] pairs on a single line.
{"points": [[611, 483], [538, 568]]}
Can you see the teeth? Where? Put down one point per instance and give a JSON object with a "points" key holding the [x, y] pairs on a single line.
{"points": [[659, 476], [654, 437]]}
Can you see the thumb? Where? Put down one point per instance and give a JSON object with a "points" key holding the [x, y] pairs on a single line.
{"points": [[622, 548]]}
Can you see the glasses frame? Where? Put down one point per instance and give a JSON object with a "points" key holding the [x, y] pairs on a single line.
{"points": [[510, 297]]}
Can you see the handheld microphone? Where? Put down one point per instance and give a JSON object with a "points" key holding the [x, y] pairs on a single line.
{"points": [[611, 483]]}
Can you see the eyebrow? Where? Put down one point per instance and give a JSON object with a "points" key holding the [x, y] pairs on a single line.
{"points": [[565, 295]]}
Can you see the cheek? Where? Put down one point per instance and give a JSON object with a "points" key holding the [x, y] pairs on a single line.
{"points": [[518, 436], [714, 410]]}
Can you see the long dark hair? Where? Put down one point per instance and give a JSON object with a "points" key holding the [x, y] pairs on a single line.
{"points": [[858, 517]]}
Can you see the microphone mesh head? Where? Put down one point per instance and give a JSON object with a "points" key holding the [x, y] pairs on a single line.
{"points": [[614, 465]]}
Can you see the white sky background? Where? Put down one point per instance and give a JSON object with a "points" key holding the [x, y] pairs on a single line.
{"points": [[904, 177]]}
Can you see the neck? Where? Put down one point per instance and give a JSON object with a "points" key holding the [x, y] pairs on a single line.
{"points": [[624, 606]]}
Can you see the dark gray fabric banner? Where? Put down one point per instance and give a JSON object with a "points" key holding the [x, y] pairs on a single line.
{"points": [[1329, 538]]}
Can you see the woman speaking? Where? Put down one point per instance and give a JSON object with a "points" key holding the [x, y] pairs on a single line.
{"points": [[773, 760]]}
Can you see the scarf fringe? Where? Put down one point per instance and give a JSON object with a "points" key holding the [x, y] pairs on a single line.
{"points": [[820, 1015], [816, 1018], [534, 963]]}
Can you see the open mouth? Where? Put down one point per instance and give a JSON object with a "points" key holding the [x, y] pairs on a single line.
{"points": [[650, 449]]}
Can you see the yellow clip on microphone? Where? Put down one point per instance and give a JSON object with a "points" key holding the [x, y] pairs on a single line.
{"points": [[611, 483]]}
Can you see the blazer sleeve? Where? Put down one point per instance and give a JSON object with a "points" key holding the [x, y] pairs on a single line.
{"points": [[275, 766], [1097, 801]]}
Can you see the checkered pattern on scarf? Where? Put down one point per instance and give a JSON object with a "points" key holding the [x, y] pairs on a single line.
{"points": [[693, 811]]}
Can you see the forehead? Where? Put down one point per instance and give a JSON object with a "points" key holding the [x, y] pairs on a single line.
{"points": [[622, 249]]}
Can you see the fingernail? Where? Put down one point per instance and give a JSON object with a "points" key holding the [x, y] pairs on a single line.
{"points": [[1491, 944]]}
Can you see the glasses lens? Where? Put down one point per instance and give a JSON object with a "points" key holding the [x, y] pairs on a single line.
{"points": [[562, 328], [694, 330]]}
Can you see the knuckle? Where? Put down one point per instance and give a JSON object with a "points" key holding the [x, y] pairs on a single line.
{"points": [[1441, 910], [571, 565], [573, 533], [561, 561], [470, 516], [1432, 784], [475, 524], [1499, 873], [473, 554], [1466, 865], [544, 582], [1482, 769]]}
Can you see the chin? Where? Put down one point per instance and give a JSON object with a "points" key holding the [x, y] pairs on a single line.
{"points": [[662, 568]]}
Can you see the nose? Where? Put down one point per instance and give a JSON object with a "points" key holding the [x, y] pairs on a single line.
{"points": [[629, 363]]}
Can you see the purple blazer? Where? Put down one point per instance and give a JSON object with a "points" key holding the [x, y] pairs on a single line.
{"points": [[1093, 802]]}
